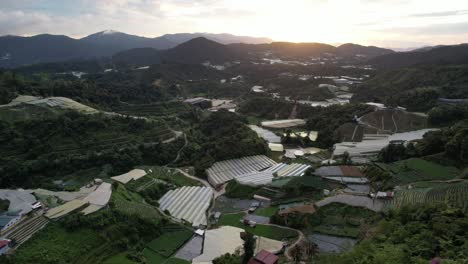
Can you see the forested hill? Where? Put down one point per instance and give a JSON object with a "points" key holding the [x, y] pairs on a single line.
{"points": [[416, 88], [442, 55]]}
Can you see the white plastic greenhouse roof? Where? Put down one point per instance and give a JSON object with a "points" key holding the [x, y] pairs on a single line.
{"points": [[224, 171], [188, 203], [266, 134], [287, 170], [256, 178]]}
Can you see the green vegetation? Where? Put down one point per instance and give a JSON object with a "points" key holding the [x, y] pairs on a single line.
{"points": [[156, 110], [412, 235], [168, 243], [117, 234], [237, 190], [79, 142], [267, 212], [444, 115], [62, 246], [272, 232], [333, 219], [415, 169], [220, 136], [228, 259], [170, 175], [416, 88], [327, 120], [454, 194]]}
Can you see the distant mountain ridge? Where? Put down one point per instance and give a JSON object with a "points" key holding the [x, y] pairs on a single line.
{"points": [[16, 51], [201, 49], [438, 55]]}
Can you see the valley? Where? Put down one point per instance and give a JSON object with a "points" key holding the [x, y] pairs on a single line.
{"points": [[163, 147]]}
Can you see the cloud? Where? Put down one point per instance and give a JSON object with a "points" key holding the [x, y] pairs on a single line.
{"points": [[441, 14]]}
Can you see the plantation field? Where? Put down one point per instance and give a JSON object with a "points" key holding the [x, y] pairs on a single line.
{"points": [[56, 240], [156, 110], [130, 203], [267, 212], [455, 194], [272, 232], [415, 170], [166, 244], [119, 259], [168, 175], [341, 220]]}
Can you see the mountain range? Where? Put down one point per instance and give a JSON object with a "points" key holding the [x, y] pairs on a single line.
{"points": [[16, 50]]}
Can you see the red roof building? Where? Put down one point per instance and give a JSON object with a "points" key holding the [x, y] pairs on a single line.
{"points": [[264, 257]]}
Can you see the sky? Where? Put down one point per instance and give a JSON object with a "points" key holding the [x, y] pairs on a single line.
{"points": [[385, 23]]}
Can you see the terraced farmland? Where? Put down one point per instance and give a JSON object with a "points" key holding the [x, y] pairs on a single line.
{"points": [[140, 209], [455, 194], [156, 110]]}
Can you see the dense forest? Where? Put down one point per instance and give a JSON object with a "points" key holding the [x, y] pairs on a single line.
{"points": [[412, 235], [220, 136], [416, 88], [31, 151]]}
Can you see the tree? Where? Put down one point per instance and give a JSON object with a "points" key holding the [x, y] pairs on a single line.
{"points": [[346, 158], [249, 247]]}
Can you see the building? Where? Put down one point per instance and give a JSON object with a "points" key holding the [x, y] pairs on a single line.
{"points": [[264, 257], [8, 220], [201, 102], [4, 246]]}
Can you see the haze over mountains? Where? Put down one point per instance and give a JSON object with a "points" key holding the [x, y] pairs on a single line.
{"points": [[194, 48]]}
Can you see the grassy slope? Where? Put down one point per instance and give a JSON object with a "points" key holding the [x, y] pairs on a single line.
{"points": [[272, 232], [415, 170]]}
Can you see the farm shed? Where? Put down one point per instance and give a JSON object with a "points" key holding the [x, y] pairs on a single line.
{"points": [[20, 200], [264, 257], [372, 144], [8, 220], [65, 209], [134, 174], [188, 204], [4, 246], [276, 147], [286, 123], [98, 199], [266, 134], [220, 241], [224, 171], [338, 171]]}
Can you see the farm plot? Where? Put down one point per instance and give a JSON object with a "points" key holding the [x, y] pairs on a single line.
{"points": [[455, 194], [272, 232], [353, 200], [415, 170], [157, 110], [168, 243], [167, 175]]}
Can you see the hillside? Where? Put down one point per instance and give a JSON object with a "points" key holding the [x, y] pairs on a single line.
{"points": [[439, 55], [350, 49], [46, 48], [118, 41], [416, 87]]}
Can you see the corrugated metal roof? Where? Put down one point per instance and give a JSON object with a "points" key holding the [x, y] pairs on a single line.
{"points": [[188, 203], [293, 169], [227, 170], [266, 134]]}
